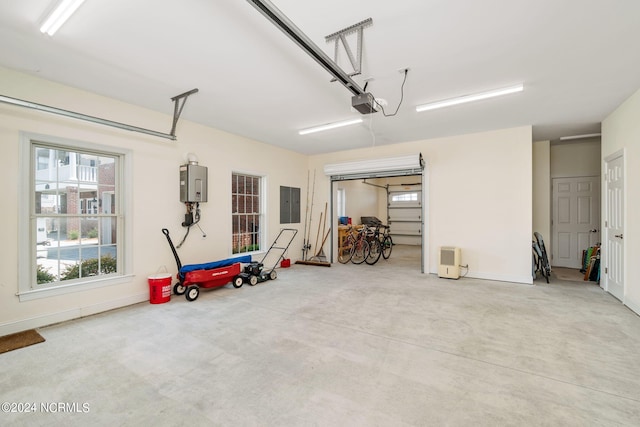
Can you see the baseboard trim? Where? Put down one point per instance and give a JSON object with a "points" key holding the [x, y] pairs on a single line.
{"points": [[632, 306], [527, 280], [74, 313]]}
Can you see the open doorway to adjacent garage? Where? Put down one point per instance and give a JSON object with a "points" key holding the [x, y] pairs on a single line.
{"points": [[387, 191]]}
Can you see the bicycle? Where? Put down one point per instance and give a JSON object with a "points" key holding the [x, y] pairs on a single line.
{"points": [[386, 241], [346, 246], [380, 244], [360, 247], [374, 237]]}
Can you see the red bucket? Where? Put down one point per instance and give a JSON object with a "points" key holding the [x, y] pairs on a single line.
{"points": [[159, 288]]}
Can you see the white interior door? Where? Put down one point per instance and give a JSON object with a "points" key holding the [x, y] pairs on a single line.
{"points": [[614, 228], [576, 219]]}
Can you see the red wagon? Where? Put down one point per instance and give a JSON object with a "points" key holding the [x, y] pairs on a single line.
{"points": [[192, 277]]}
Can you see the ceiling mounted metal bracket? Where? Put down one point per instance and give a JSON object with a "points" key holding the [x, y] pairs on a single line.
{"points": [[177, 108], [80, 116], [279, 19], [105, 122], [341, 36]]}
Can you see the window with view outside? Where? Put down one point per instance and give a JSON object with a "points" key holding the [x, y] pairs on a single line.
{"points": [[75, 215], [246, 212], [405, 197]]}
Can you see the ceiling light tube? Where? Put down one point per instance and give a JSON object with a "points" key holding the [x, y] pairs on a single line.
{"points": [[330, 126], [587, 135], [470, 98], [59, 16]]}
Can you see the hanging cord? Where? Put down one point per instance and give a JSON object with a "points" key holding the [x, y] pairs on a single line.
{"points": [[467, 268], [406, 71], [184, 238], [371, 131], [196, 218]]}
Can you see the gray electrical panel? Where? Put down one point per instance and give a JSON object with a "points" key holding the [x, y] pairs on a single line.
{"points": [[289, 205], [193, 183]]}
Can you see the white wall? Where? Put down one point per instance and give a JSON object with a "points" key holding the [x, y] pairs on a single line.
{"points": [[480, 197], [480, 189], [542, 189], [361, 199], [621, 131], [155, 188], [575, 158], [565, 159]]}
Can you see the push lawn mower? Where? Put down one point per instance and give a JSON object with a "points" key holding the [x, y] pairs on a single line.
{"points": [[255, 272]]}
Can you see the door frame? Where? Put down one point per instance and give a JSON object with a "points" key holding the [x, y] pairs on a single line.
{"points": [[604, 284], [383, 168], [554, 223]]}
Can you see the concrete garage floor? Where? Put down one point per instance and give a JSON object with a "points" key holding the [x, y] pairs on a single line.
{"points": [[348, 345]]}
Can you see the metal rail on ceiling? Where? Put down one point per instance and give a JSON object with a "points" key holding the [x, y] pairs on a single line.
{"points": [[280, 20], [59, 111]]}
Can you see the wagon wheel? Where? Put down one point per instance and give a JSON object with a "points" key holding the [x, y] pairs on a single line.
{"points": [[179, 289], [238, 282], [253, 280], [273, 275], [192, 293]]}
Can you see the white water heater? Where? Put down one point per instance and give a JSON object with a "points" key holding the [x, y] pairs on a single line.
{"points": [[449, 262]]}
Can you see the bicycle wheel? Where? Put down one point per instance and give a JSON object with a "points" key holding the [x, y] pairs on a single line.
{"points": [[375, 250], [360, 251], [387, 246], [344, 252]]}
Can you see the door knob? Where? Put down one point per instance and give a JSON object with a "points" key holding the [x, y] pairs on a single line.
{"points": [[619, 236], [593, 231]]}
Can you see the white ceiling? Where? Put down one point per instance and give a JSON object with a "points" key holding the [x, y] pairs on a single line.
{"points": [[578, 59]]}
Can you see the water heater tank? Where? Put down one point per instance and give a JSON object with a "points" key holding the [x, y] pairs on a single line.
{"points": [[193, 183]]}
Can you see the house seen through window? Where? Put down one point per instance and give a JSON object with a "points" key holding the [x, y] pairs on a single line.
{"points": [[247, 212], [75, 215]]}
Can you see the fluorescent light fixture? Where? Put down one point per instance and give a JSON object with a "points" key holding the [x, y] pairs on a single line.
{"points": [[59, 16], [587, 135], [330, 126], [470, 98]]}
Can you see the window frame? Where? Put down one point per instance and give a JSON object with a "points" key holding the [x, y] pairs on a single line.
{"points": [[341, 202], [262, 231], [400, 197], [28, 235]]}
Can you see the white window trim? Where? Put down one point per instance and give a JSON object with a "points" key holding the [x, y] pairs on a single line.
{"points": [[406, 197], [263, 212], [25, 251]]}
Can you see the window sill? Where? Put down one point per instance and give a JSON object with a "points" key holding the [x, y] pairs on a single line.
{"points": [[54, 291]]}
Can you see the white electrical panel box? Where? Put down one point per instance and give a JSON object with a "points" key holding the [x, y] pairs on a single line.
{"points": [[193, 183], [449, 262]]}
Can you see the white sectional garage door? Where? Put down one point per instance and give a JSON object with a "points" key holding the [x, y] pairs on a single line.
{"points": [[405, 213]]}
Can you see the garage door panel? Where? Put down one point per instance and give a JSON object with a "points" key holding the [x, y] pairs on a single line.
{"points": [[405, 214]]}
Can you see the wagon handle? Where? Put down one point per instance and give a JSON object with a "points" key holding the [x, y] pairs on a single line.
{"points": [[173, 249]]}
